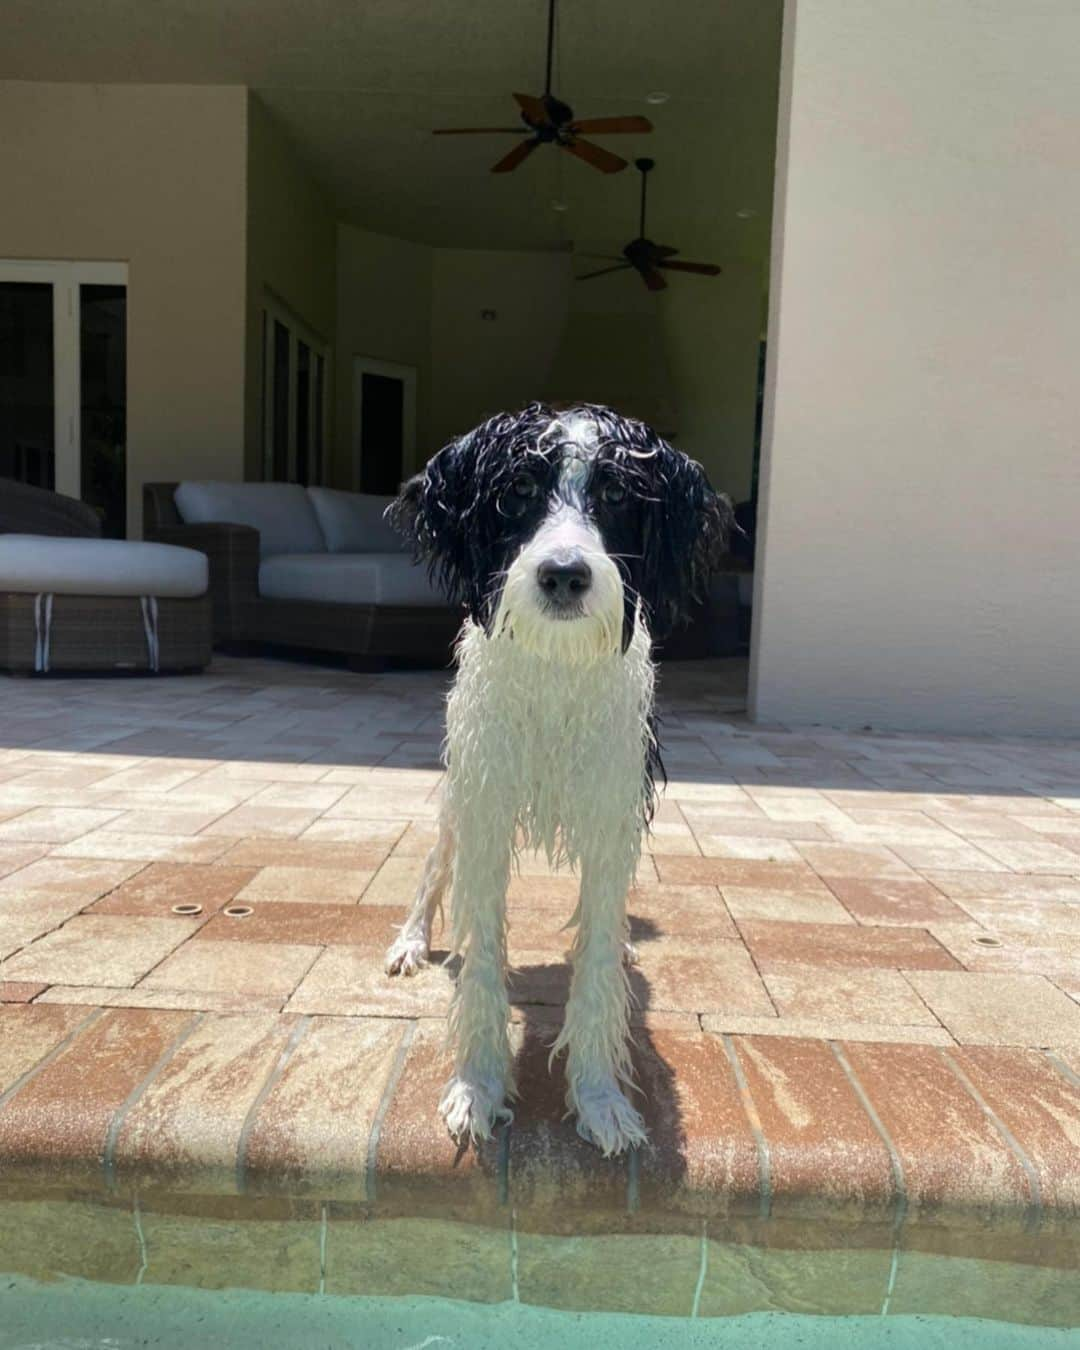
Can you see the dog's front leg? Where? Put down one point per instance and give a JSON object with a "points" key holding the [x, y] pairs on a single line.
{"points": [[412, 946], [596, 1032], [475, 1097]]}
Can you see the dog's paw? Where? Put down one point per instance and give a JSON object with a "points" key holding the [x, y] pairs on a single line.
{"points": [[406, 955], [472, 1109], [605, 1118]]}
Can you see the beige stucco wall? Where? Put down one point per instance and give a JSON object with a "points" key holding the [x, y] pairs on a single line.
{"points": [[291, 251], [481, 366], [152, 176], [384, 312], [922, 472]]}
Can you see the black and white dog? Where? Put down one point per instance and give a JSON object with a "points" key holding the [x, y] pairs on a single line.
{"points": [[574, 539]]}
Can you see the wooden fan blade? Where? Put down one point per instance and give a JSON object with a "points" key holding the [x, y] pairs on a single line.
{"points": [[653, 280], [515, 157], [699, 269], [588, 276], [596, 155], [610, 126], [535, 109], [481, 131]]}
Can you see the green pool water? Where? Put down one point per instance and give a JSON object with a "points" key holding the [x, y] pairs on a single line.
{"points": [[75, 1315]]}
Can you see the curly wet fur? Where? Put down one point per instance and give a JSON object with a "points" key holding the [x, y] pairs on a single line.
{"points": [[551, 741], [550, 757]]}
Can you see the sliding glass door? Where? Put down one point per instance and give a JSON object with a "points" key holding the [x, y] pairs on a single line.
{"points": [[63, 381], [294, 399]]}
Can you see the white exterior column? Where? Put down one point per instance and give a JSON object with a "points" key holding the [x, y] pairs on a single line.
{"points": [[919, 529]]}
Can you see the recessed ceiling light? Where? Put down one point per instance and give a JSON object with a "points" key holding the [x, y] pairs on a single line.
{"points": [[657, 96], [746, 213], [558, 205]]}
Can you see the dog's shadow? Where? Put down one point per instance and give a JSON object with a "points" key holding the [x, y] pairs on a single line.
{"points": [[538, 993]]}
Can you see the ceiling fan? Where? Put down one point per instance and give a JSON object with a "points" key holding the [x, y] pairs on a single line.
{"points": [[643, 255], [549, 121]]}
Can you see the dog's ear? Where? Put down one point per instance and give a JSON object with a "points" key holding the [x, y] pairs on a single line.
{"points": [[428, 513], [404, 511], [686, 528], [437, 511], [453, 513]]}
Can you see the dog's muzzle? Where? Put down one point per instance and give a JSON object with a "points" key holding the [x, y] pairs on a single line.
{"points": [[564, 580]]}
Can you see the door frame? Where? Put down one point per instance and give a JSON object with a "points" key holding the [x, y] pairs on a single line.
{"points": [[273, 310], [370, 365], [65, 279]]}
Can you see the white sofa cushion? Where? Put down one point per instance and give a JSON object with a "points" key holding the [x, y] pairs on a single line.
{"points": [[353, 522], [281, 512], [45, 564], [348, 579]]}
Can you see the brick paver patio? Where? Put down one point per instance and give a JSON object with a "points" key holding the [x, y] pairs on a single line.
{"points": [[859, 985]]}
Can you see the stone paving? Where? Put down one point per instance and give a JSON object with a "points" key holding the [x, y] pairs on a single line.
{"points": [[858, 993]]}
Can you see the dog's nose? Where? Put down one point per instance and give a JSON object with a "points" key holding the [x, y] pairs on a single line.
{"points": [[564, 578]]}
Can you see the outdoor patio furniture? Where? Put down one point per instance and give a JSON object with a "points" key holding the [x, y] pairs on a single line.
{"points": [[72, 601], [306, 567]]}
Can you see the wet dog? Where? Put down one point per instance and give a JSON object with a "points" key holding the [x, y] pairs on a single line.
{"points": [[574, 539]]}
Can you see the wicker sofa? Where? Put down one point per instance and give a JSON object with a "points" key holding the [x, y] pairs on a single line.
{"points": [[306, 568], [72, 601]]}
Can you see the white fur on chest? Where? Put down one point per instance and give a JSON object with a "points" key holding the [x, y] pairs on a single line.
{"points": [[559, 747]]}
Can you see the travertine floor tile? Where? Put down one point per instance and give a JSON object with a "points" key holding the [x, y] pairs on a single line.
{"points": [[352, 981], [184, 1129], [256, 820], [886, 902], [167, 820], [999, 1009], [270, 968], [880, 996], [161, 885], [322, 885], [95, 948], [53, 824], [869, 877], [721, 978], [834, 946], [145, 847], [758, 902]]}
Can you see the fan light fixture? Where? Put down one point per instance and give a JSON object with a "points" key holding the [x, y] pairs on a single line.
{"points": [[549, 121], [645, 256]]}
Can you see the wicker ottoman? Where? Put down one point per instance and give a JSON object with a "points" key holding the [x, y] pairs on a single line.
{"points": [[72, 604]]}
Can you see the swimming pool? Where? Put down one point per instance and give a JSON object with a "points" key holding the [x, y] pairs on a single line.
{"points": [[76, 1315], [180, 1271]]}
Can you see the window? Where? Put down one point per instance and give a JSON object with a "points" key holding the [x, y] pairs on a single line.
{"points": [[63, 381], [294, 399]]}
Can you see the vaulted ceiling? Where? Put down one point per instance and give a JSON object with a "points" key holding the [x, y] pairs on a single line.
{"points": [[358, 86]]}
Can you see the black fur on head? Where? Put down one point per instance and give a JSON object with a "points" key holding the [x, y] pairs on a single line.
{"points": [[468, 515]]}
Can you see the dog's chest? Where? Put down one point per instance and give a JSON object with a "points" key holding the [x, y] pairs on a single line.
{"points": [[536, 724]]}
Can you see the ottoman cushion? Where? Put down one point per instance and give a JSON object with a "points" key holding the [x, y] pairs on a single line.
{"points": [[41, 564]]}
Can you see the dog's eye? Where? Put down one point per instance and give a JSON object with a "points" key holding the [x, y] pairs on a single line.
{"points": [[518, 498], [613, 492]]}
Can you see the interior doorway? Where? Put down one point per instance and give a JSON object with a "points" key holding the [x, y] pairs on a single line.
{"points": [[63, 381], [384, 424]]}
